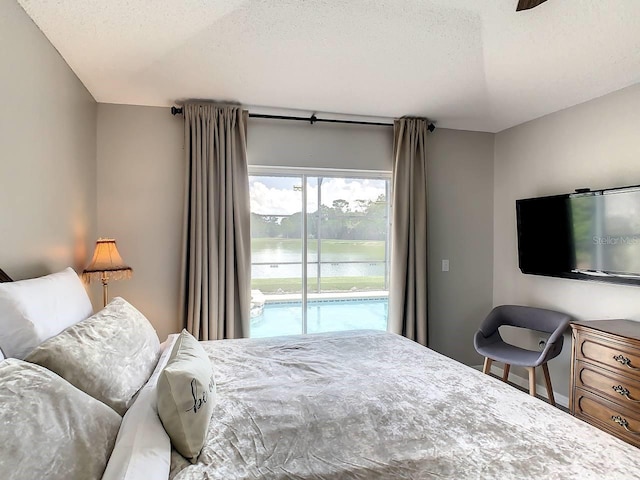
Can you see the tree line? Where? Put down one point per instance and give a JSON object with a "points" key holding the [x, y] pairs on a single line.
{"points": [[367, 221]]}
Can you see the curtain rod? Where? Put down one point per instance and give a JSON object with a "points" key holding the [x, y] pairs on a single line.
{"points": [[312, 119]]}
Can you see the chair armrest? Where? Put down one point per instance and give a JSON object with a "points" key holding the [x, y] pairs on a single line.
{"points": [[555, 342]]}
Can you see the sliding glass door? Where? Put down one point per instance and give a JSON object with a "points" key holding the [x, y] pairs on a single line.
{"points": [[320, 250]]}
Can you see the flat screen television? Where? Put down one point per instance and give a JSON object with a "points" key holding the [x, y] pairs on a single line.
{"points": [[587, 235]]}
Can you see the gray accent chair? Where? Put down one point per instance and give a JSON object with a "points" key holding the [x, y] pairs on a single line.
{"points": [[490, 344]]}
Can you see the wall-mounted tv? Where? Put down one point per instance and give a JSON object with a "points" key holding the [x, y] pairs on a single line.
{"points": [[587, 235]]}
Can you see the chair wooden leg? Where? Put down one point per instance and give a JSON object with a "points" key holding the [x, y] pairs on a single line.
{"points": [[505, 373], [487, 365], [532, 381], [547, 379]]}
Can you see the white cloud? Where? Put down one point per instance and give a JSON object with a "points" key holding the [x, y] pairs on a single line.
{"points": [[350, 190], [273, 201], [286, 201]]}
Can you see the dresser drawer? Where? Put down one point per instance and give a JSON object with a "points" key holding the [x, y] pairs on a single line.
{"points": [[601, 350], [618, 388], [607, 416]]}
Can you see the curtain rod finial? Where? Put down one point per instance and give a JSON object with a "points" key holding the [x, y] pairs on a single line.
{"points": [[176, 110], [431, 127]]}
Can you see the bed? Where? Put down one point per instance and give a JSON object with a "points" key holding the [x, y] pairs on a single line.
{"points": [[373, 405], [349, 405]]}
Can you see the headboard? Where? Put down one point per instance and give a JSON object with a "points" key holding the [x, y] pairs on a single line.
{"points": [[4, 277]]}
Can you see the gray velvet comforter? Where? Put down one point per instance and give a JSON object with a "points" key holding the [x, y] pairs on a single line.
{"points": [[372, 405]]}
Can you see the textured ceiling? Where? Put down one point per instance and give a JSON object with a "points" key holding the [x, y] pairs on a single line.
{"points": [[468, 64]]}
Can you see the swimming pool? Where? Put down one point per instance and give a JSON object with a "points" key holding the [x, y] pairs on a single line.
{"points": [[285, 318]]}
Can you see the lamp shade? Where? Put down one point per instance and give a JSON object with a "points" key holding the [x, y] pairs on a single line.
{"points": [[107, 262]]}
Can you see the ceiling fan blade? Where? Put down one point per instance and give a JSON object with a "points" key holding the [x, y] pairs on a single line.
{"points": [[527, 4]]}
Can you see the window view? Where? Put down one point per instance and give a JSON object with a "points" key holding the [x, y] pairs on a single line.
{"points": [[320, 253]]}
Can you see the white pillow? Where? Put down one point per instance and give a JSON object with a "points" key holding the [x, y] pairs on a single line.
{"points": [[50, 429], [31, 311], [143, 448]]}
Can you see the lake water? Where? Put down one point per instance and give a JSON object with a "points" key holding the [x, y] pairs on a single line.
{"points": [[285, 255], [283, 259], [360, 269]]}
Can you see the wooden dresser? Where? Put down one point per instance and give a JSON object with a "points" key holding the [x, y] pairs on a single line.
{"points": [[605, 376]]}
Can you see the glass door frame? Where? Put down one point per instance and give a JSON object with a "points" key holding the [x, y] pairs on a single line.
{"points": [[304, 173]]}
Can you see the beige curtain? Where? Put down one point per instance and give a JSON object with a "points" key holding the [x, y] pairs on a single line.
{"points": [[216, 268], [408, 293]]}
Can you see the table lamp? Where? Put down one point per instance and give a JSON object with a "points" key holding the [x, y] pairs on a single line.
{"points": [[107, 264]]}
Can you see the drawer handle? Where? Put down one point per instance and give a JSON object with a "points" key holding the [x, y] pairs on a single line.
{"points": [[624, 392], [623, 423], [625, 361]]}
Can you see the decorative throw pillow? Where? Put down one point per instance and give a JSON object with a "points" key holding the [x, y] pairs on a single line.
{"points": [[186, 396], [50, 429], [34, 310], [110, 355]]}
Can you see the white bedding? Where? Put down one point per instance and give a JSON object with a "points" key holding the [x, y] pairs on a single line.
{"points": [[372, 405], [142, 449]]}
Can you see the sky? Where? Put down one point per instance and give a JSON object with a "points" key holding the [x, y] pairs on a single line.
{"points": [[277, 196]]}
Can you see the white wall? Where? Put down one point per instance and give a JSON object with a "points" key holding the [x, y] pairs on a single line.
{"points": [[594, 145], [141, 184], [140, 204], [48, 153], [460, 229], [322, 145]]}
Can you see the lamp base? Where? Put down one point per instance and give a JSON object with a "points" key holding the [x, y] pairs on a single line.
{"points": [[105, 289]]}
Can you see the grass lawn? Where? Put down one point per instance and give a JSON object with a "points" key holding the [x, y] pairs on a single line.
{"points": [[328, 284]]}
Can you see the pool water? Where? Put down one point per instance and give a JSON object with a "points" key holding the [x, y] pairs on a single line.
{"points": [[322, 316]]}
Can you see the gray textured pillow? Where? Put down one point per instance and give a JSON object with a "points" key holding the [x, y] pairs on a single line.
{"points": [[186, 396], [50, 429], [110, 355]]}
